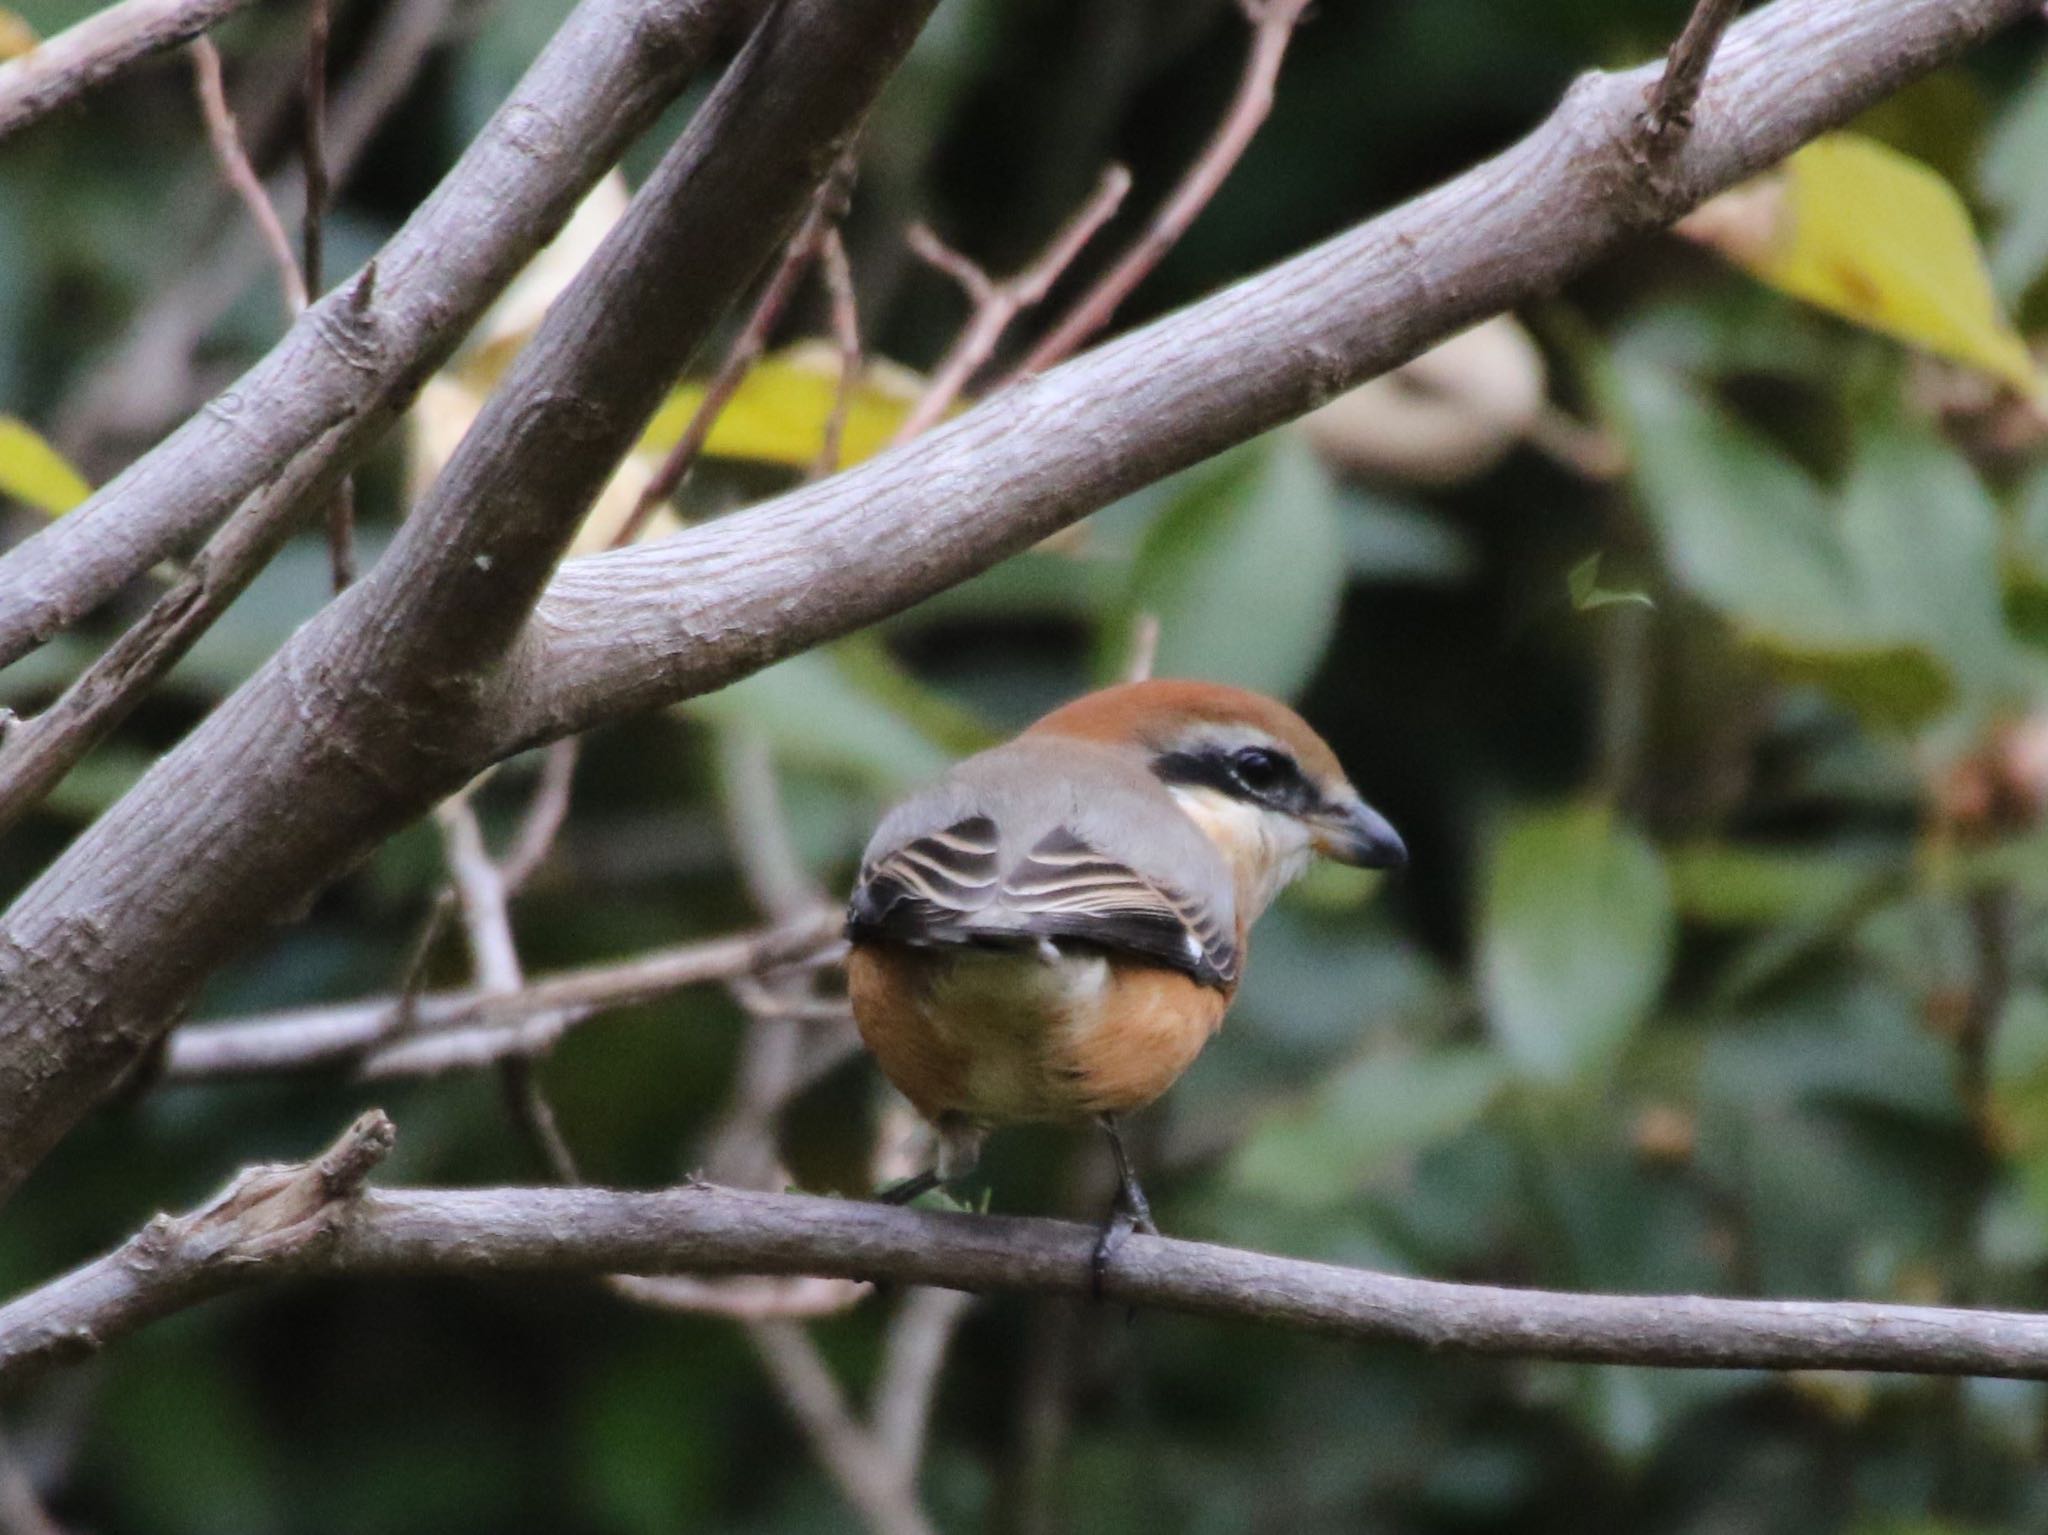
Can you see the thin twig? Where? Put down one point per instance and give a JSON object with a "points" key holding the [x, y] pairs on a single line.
{"points": [[1667, 119], [545, 814], [38, 752], [702, 1229], [839, 288], [324, 1037], [846, 1450], [313, 147], [21, 1506], [739, 360], [1272, 23], [993, 305], [235, 168], [597, 86], [912, 1357]]}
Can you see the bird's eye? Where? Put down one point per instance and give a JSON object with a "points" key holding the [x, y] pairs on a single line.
{"points": [[1258, 769]]}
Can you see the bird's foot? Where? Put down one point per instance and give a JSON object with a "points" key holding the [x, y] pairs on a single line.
{"points": [[1130, 1212]]}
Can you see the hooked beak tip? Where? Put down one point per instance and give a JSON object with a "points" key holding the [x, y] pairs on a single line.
{"points": [[1359, 835]]}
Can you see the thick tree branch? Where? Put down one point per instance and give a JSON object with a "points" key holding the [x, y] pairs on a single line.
{"points": [[606, 75], [62, 68], [215, 840], [702, 1229], [371, 710], [628, 631]]}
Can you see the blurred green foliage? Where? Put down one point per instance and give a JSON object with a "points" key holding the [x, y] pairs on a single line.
{"points": [[1720, 966]]}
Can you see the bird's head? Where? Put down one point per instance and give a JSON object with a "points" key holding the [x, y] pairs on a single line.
{"points": [[1264, 787]]}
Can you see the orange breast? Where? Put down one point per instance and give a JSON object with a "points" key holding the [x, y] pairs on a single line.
{"points": [[1001, 1038]]}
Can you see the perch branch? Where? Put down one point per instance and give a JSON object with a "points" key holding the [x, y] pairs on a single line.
{"points": [[289, 1223]]}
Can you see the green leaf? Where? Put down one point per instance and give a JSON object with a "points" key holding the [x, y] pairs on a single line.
{"points": [[1922, 538], [1575, 936], [2010, 176], [1588, 594], [1743, 528], [1390, 540], [1886, 603], [1733, 886], [1363, 1121], [1244, 568], [33, 472]]}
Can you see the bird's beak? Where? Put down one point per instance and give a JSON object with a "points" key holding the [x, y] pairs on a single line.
{"points": [[1351, 831]]}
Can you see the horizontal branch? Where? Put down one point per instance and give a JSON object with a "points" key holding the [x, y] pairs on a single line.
{"points": [[449, 1029], [278, 1223], [627, 631], [610, 70], [65, 67]]}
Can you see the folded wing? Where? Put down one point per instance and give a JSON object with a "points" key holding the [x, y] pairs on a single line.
{"points": [[948, 887]]}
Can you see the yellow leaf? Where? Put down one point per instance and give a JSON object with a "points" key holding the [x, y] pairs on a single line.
{"points": [[34, 472], [16, 36], [447, 407], [1874, 236], [778, 414]]}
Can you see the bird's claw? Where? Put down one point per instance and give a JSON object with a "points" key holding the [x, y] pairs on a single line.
{"points": [[1129, 1213]]}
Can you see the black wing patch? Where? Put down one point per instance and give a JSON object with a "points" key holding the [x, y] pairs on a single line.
{"points": [[946, 888], [926, 889], [1064, 888]]}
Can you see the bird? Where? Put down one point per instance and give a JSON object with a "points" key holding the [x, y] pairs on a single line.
{"points": [[1055, 928]]}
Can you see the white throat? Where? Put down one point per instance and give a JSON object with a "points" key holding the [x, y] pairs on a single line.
{"points": [[1267, 851]]}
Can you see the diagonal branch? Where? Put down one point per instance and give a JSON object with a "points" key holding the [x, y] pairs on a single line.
{"points": [[313, 1225], [63, 68], [606, 75], [370, 711], [630, 631], [993, 305], [214, 841]]}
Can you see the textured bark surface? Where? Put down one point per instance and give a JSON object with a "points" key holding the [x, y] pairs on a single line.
{"points": [[431, 666], [60, 69], [702, 1229], [371, 712], [608, 73]]}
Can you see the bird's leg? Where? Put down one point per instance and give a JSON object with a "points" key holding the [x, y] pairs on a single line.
{"points": [[1130, 1211]]}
